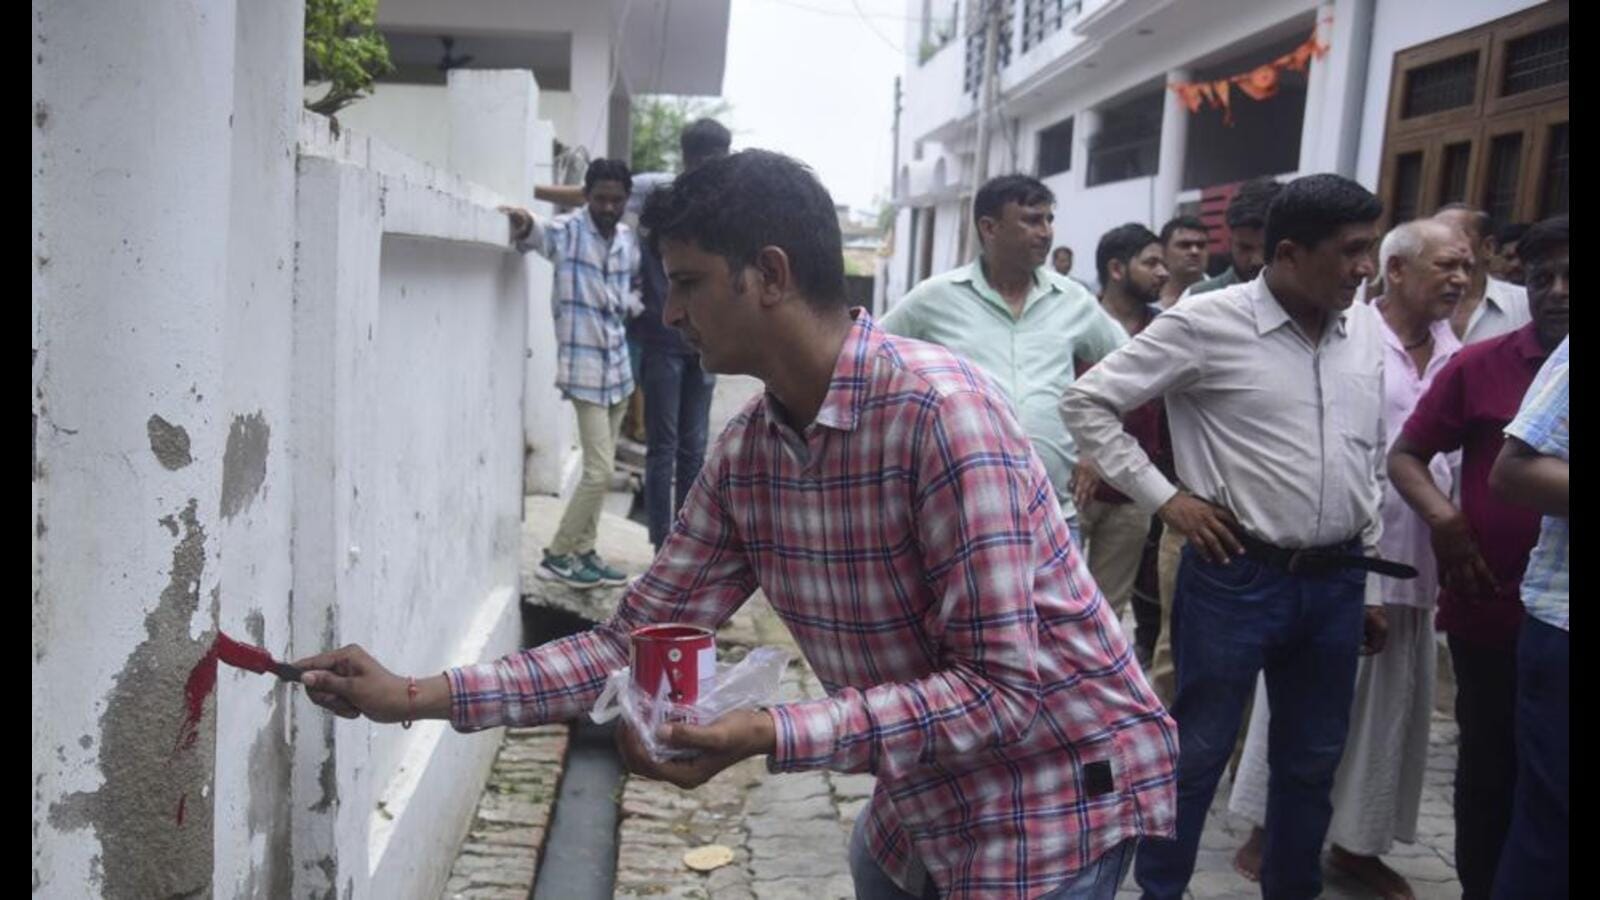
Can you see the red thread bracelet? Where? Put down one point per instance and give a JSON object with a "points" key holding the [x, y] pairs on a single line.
{"points": [[411, 702]]}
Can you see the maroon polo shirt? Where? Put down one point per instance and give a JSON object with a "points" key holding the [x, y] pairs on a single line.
{"points": [[1471, 401]]}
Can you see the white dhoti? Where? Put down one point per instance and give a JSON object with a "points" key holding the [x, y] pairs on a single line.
{"points": [[1378, 788]]}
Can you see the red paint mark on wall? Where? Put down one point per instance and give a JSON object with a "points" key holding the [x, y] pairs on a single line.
{"points": [[202, 681], [183, 802]]}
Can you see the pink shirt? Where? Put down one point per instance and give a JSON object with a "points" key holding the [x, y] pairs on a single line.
{"points": [[1406, 538]]}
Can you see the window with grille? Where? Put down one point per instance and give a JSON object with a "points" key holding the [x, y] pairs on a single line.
{"points": [[1536, 61], [1128, 144], [1505, 169], [1042, 18], [1447, 84], [1556, 186], [977, 25], [1453, 173], [1481, 117], [1407, 188], [1055, 149]]}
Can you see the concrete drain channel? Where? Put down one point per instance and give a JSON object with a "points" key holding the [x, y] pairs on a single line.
{"points": [[580, 850], [579, 858]]}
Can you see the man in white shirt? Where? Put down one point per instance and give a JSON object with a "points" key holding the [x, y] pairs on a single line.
{"points": [[1275, 405], [1491, 307], [1377, 792]]}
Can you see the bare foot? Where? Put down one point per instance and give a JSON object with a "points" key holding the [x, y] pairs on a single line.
{"points": [[1389, 884], [1247, 862]]}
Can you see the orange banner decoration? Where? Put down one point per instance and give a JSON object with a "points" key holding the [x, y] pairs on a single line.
{"points": [[1260, 83], [1221, 89]]}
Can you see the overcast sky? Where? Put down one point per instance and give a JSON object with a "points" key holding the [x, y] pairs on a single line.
{"points": [[811, 78]]}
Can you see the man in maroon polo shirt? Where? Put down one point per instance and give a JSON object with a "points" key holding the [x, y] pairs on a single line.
{"points": [[1482, 548]]}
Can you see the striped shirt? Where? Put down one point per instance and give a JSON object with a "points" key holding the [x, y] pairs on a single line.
{"points": [[592, 280], [1542, 425], [912, 542]]}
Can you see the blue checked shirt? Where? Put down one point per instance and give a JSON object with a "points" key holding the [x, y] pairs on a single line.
{"points": [[592, 281], [1542, 425]]}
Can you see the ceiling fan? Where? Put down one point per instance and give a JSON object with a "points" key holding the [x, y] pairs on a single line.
{"points": [[448, 62]]}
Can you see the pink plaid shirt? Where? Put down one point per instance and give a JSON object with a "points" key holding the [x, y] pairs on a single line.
{"points": [[912, 543]]}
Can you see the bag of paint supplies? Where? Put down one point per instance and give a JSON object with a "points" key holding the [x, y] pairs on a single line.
{"points": [[673, 676]]}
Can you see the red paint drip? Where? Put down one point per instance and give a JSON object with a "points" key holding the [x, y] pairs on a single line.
{"points": [[202, 681], [183, 802]]}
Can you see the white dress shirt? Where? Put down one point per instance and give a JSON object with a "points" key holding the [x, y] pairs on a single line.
{"points": [[1504, 309], [1287, 435]]}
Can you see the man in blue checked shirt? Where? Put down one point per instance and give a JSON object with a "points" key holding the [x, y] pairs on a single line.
{"points": [[596, 260], [1533, 470]]}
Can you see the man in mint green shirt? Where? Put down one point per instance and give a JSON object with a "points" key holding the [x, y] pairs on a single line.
{"points": [[1024, 325]]}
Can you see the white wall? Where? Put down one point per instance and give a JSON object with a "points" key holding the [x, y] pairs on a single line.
{"points": [[132, 190], [1084, 214], [253, 533], [412, 318], [412, 118], [278, 387], [1397, 25]]}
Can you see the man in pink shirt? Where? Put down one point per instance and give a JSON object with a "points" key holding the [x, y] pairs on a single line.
{"points": [[884, 497], [1377, 791]]}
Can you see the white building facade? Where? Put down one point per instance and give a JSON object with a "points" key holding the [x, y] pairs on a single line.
{"points": [[1424, 101]]}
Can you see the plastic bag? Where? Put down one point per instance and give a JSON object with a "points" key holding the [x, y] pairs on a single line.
{"points": [[751, 682]]}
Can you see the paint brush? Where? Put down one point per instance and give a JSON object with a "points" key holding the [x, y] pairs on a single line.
{"points": [[252, 659]]}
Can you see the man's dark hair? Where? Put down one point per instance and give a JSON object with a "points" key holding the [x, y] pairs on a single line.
{"points": [[1248, 208], [702, 140], [1190, 223], [1482, 222], [607, 170], [1024, 190], [1543, 240], [1312, 209], [1511, 233], [1063, 249], [738, 204], [1122, 244]]}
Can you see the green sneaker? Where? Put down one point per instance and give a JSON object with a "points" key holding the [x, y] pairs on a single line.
{"points": [[568, 570], [603, 573]]}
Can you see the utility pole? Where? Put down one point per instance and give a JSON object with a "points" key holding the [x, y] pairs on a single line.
{"points": [[989, 90], [894, 157]]}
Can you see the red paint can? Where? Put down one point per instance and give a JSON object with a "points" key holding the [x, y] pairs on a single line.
{"points": [[684, 655]]}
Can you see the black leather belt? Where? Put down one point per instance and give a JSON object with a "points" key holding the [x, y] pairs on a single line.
{"points": [[1316, 560]]}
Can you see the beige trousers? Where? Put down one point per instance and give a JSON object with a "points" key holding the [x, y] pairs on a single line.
{"points": [[1114, 533], [1162, 677], [597, 434]]}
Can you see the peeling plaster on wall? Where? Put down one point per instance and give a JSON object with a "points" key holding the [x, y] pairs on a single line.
{"points": [[255, 625], [268, 810], [145, 853], [244, 463], [169, 442]]}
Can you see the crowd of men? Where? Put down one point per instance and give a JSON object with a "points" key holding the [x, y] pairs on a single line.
{"points": [[1340, 446]]}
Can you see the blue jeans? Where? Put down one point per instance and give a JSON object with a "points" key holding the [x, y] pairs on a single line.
{"points": [[677, 412], [1534, 861], [1229, 623], [1098, 881]]}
